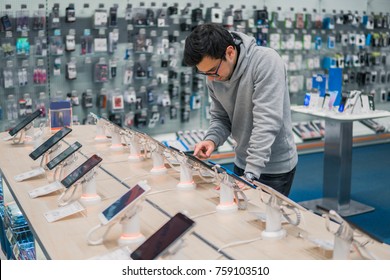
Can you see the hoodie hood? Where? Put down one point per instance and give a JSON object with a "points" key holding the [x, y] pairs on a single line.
{"points": [[247, 47]]}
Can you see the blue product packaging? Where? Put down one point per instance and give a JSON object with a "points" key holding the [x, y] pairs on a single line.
{"points": [[319, 83], [306, 102], [60, 114], [335, 83]]}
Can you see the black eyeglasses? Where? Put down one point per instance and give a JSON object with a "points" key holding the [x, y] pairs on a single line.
{"points": [[215, 74]]}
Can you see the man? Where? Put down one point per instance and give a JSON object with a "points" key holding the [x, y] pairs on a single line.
{"points": [[250, 101]]}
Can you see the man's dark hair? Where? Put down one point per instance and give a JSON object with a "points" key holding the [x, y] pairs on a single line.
{"points": [[209, 39]]}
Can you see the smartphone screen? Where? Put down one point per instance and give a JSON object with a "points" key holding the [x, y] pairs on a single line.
{"points": [[64, 155], [50, 143], [28, 119], [195, 159], [80, 171], [122, 203], [156, 244], [234, 175], [191, 157]]}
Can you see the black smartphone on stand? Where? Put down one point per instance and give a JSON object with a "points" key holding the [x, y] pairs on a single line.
{"points": [[233, 175], [80, 171], [64, 155], [49, 143], [163, 238], [119, 207], [28, 119]]}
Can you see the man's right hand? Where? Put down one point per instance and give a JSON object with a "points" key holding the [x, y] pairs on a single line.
{"points": [[204, 149]]}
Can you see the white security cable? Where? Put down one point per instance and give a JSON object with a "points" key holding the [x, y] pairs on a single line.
{"points": [[100, 240], [161, 191], [239, 243], [125, 179], [203, 214]]}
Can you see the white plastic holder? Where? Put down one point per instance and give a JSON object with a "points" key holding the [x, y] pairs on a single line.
{"points": [[100, 133], [29, 133], [89, 195], [131, 229], [174, 251], [135, 150], [158, 164], [186, 178], [273, 223], [63, 169], [49, 155], [116, 143], [341, 248], [38, 136], [343, 236], [24, 135], [55, 151], [226, 198]]}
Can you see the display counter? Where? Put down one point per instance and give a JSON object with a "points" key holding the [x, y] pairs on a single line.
{"points": [[216, 235]]}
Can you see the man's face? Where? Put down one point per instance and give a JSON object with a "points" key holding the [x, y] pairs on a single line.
{"points": [[218, 69]]}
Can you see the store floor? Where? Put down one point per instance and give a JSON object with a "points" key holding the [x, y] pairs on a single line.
{"points": [[370, 185]]}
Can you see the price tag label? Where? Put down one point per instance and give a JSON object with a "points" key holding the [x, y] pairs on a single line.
{"points": [[46, 189], [60, 213], [29, 174], [8, 137]]}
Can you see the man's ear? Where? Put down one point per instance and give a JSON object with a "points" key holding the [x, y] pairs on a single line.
{"points": [[230, 52]]}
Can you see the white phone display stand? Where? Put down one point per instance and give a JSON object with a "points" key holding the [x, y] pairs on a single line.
{"points": [[273, 223], [49, 155], [343, 236], [41, 170], [226, 197], [29, 135], [186, 178], [131, 233], [64, 168], [135, 148], [38, 136], [24, 135], [89, 195], [100, 132], [342, 248], [116, 140], [158, 163]]}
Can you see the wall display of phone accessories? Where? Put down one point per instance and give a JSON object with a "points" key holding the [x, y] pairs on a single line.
{"points": [[126, 68], [125, 61]]}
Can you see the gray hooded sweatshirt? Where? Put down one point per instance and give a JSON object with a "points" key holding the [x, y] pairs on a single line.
{"points": [[254, 108]]}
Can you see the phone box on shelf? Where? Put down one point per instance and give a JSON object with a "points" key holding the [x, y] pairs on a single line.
{"points": [[60, 114]]}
